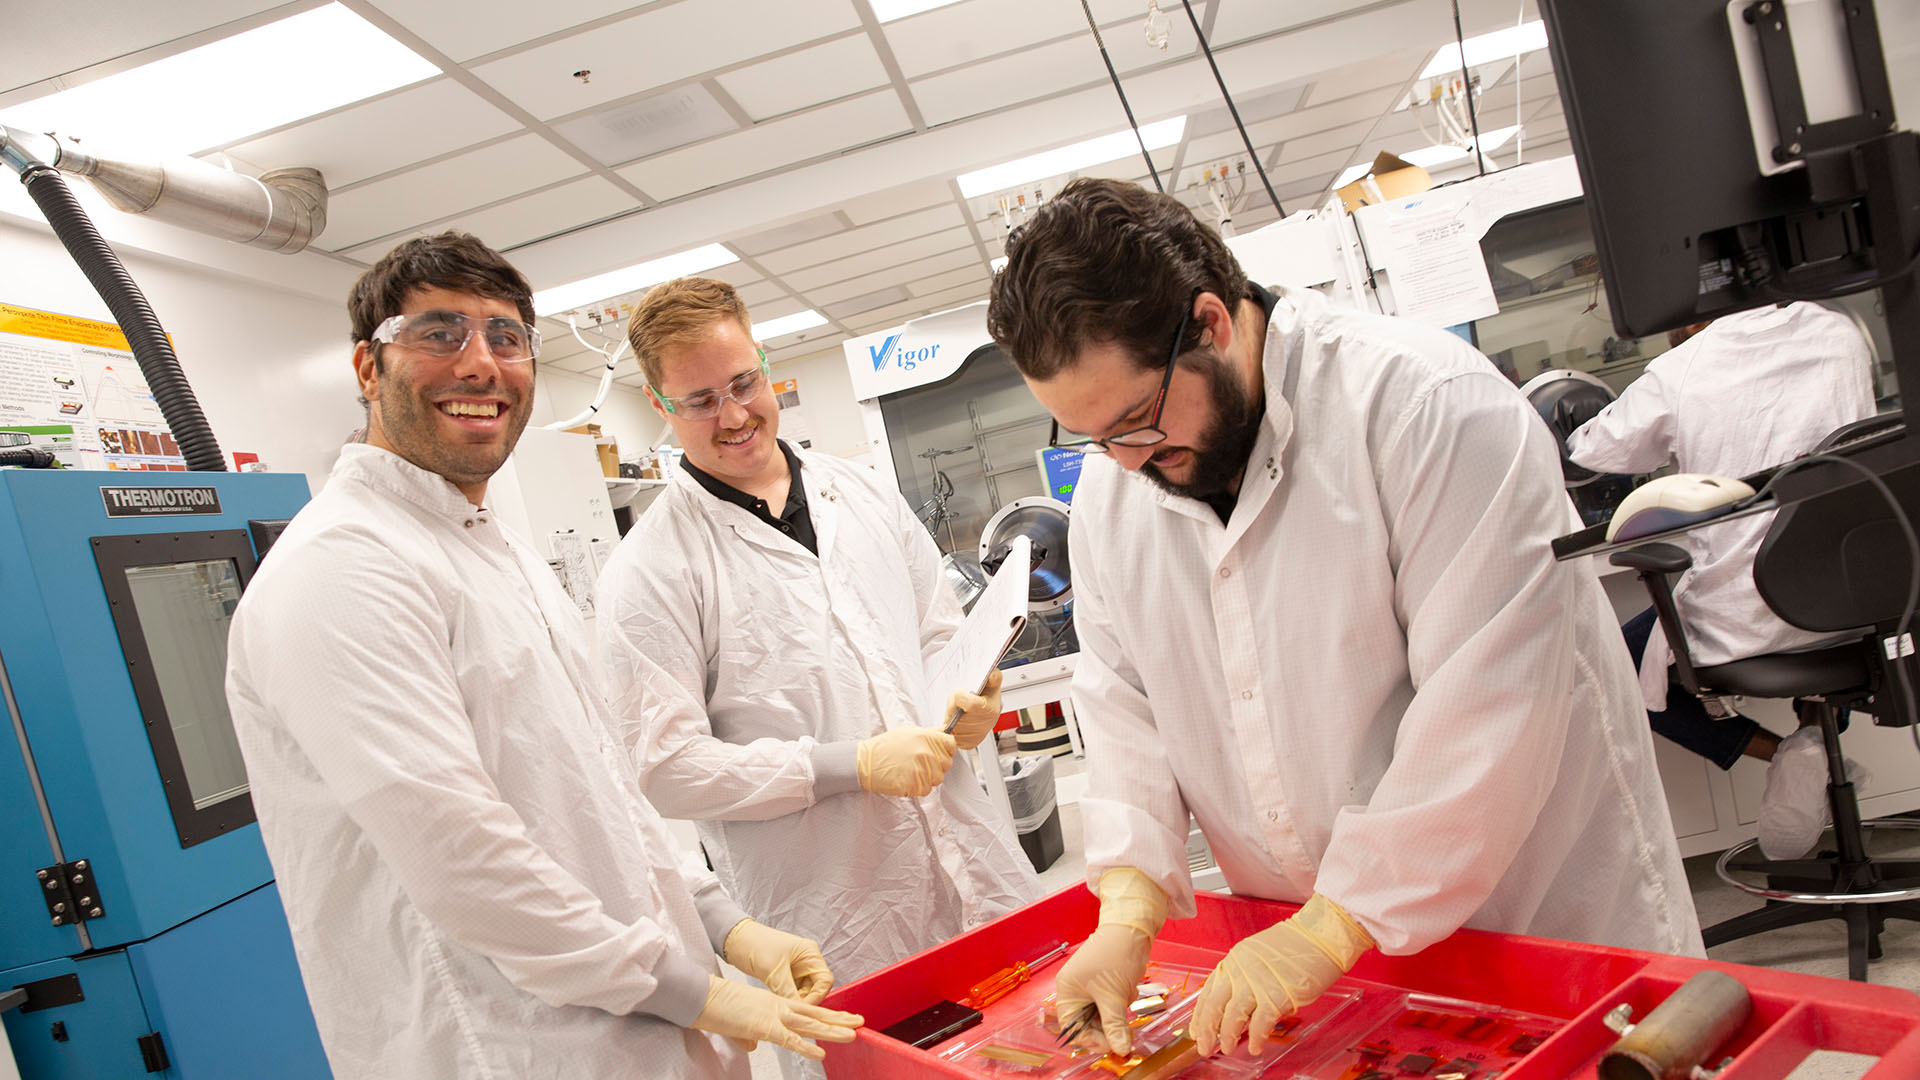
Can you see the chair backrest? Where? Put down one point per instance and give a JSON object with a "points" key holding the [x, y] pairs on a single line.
{"points": [[1839, 561]]}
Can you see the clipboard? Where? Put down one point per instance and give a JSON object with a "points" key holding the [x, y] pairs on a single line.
{"points": [[969, 658]]}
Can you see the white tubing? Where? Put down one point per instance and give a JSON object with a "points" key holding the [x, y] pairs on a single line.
{"points": [[612, 358]]}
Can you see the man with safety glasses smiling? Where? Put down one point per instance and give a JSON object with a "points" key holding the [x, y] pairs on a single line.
{"points": [[473, 886], [764, 628]]}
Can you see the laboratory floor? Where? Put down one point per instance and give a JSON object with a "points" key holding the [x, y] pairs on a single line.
{"points": [[1816, 948]]}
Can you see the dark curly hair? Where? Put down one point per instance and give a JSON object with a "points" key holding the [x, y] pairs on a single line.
{"points": [[1105, 261], [451, 260]]}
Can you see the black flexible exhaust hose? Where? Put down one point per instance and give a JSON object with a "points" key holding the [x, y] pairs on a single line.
{"points": [[136, 318], [26, 457]]}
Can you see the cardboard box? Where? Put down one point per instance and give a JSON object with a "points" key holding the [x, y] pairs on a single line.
{"points": [[609, 449], [1390, 178]]}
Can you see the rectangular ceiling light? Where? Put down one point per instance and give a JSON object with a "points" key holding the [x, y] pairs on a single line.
{"points": [[889, 10], [1486, 48], [788, 324], [1067, 159], [226, 90], [563, 298]]}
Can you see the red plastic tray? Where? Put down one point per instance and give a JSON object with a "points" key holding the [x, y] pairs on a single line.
{"points": [[1793, 1014]]}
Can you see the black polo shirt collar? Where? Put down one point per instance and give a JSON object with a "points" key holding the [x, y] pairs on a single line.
{"points": [[794, 522]]}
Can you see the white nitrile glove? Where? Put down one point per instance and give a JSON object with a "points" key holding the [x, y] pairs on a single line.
{"points": [[905, 761], [789, 964], [1106, 969], [1270, 974], [978, 713], [747, 1015]]}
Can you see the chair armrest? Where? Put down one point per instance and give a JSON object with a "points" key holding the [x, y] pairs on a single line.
{"points": [[1654, 558], [1655, 561]]}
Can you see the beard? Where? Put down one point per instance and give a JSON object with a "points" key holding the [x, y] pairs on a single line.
{"points": [[1221, 455], [410, 421]]}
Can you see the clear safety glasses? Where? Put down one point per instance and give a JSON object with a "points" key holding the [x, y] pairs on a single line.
{"points": [[446, 333], [1147, 435], [705, 404]]}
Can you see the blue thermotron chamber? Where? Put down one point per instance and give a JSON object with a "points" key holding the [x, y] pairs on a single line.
{"points": [[140, 932]]}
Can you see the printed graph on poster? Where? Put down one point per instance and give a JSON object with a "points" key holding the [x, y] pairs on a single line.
{"points": [[62, 371]]}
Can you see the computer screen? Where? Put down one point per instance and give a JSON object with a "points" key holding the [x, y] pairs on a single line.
{"points": [[1688, 222]]}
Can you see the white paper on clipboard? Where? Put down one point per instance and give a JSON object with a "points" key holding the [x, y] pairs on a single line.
{"points": [[991, 627]]}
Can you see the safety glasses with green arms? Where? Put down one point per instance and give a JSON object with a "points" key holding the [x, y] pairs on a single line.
{"points": [[705, 404]]}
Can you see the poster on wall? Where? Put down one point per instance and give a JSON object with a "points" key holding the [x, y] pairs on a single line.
{"points": [[64, 370], [794, 425]]}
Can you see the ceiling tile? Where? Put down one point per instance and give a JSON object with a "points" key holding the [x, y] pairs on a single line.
{"points": [[650, 125], [807, 77], [545, 213], [771, 145], [964, 33], [892, 294], [81, 33], [478, 27], [761, 293], [896, 201], [854, 241], [966, 275], [895, 314], [1023, 76], [446, 187], [1237, 21], [795, 232], [1384, 72], [911, 254], [658, 46], [805, 343], [379, 136], [1345, 137]]}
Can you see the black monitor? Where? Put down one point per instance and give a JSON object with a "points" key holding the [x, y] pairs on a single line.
{"points": [[1688, 223]]}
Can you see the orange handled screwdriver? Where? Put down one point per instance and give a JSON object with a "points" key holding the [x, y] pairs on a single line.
{"points": [[1002, 982]]}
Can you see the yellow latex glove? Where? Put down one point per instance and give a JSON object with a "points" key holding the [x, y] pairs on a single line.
{"points": [[1274, 972], [978, 713], [905, 761], [789, 964], [1107, 967], [748, 1015]]}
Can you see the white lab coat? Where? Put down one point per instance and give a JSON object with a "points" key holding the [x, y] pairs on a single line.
{"points": [[475, 888], [1375, 682], [743, 669], [1753, 390]]}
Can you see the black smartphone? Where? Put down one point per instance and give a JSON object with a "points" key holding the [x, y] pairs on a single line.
{"points": [[929, 1026]]}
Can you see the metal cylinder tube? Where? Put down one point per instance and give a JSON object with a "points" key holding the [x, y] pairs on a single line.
{"points": [[1688, 1027]]}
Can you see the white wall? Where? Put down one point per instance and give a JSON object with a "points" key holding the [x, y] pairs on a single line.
{"points": [[826, 393], [272, 369]]}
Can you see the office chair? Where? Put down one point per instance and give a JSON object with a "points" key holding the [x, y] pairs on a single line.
{"points": [[1836, 562]]}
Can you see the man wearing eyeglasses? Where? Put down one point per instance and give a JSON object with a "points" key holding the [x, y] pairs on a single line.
{"points": [[764, 628], [1318, 610], [473, 887]]}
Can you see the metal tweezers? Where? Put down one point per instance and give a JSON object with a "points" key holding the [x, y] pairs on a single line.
{"points": [[1071, 1027]]}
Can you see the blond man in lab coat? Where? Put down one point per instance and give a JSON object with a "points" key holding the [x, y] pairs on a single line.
{"points": [[1317, 609]]}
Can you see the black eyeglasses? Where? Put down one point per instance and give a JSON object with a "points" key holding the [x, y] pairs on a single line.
{"points": [[1147, 435]]}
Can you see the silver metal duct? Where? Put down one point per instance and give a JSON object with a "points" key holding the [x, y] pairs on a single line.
{"points": [[282, 210]]}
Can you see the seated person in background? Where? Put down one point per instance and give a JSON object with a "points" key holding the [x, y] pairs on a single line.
{"points": [[1748, 391]]}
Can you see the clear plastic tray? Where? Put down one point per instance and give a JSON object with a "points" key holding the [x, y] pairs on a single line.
{"points": [[1399, 1034]]}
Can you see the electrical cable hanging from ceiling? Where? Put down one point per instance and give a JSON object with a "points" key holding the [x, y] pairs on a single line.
{"points": [[1231, 108], [1115, 76], [1466, 77]]}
